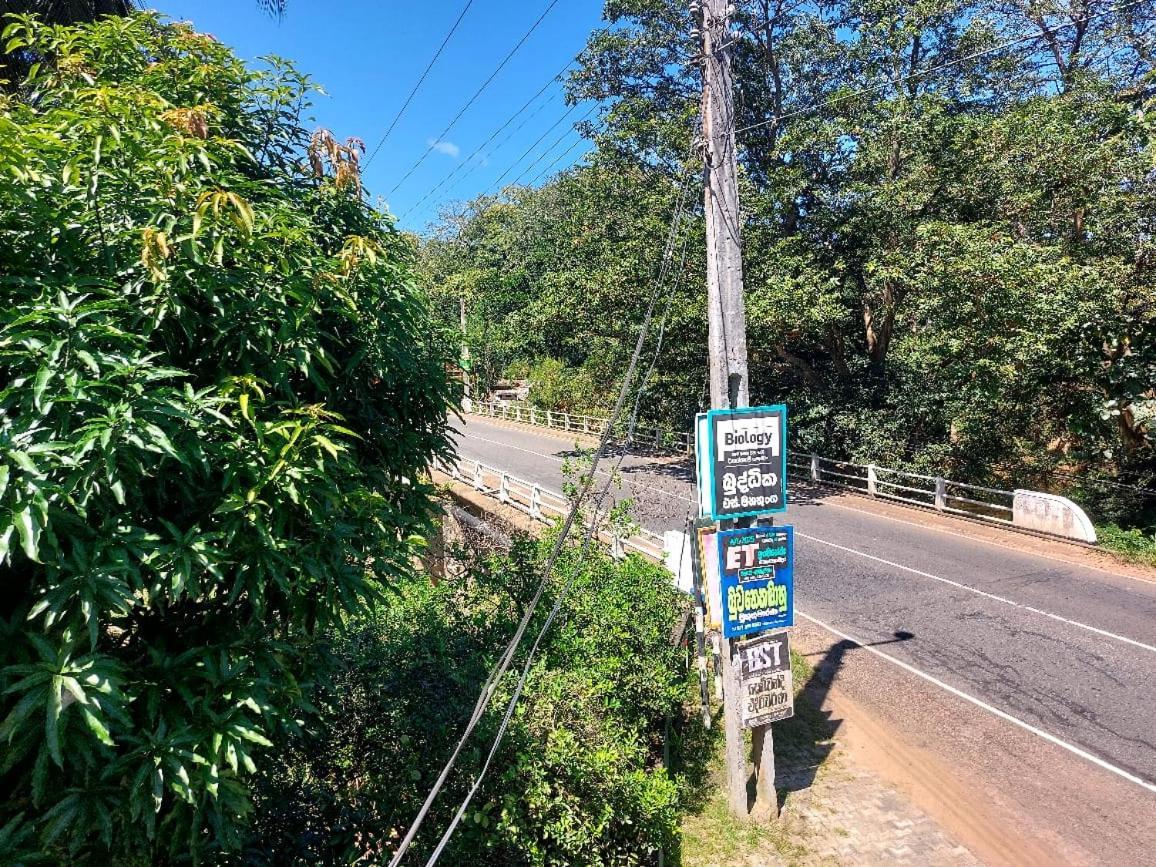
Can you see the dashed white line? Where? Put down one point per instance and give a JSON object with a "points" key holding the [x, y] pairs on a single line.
{"points": [[980, 703]]}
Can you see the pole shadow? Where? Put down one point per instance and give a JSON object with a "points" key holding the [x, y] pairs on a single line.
{"points": [[804, 742]]}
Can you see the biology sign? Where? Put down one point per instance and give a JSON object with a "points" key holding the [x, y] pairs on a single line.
{"points": [[763, 669], [756, 579], [747, 461]]}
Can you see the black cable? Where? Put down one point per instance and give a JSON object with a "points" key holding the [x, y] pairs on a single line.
{"points": [[420, 81], [1043, 31], [477, 93], [493, 136]]}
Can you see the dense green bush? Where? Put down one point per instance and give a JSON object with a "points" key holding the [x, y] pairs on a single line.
{"points": [[576, 780], [218, 389]]}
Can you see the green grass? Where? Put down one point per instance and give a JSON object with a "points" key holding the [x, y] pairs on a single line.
{"points": [[710, 834], [1135, 545]]}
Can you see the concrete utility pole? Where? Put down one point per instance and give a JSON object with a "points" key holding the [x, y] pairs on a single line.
{"points": [[728, 348]]}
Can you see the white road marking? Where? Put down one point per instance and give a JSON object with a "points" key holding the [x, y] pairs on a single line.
{"points": [[934, 529], [984, 593], [958, 585], [1004, 715]]}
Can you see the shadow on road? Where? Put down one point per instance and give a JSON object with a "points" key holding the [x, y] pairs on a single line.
{"points": [[803, 742]]}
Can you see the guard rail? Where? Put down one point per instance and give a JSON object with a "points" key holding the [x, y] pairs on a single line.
{"points": [[1019, 509], [542, 504]]}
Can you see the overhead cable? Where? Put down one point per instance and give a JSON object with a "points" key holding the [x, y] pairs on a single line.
{"points": [[420, 81], [891, 82], [496, 674], [591, 530], [477, 93], [468, 160]]}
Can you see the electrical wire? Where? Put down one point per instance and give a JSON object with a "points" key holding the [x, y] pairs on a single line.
{"points": [[468, 160], [564, 592], [420, 81], [502, 667], [477, 93], [1043, 31], [559, 159], [497, 182], [550, 148]]}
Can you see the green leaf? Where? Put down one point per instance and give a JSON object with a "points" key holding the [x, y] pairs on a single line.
{"points": [[53, 712], [29, 530]]}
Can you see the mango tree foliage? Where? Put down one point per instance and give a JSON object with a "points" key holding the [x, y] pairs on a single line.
{"points": [[218, 389]]}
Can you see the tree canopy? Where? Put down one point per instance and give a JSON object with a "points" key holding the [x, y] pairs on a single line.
{"points": [[947, 214]]}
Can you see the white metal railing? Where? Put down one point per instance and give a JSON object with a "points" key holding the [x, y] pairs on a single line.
{"points": [[543, 504], [936, 492], [658, 436]]}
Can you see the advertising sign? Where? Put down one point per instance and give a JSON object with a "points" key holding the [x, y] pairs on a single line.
{"points": [[747, 461], [706, 571], [763, 668], [756, 579]]}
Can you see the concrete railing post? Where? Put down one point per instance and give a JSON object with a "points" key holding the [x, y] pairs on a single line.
{"points": [[872, 480], [586, 424], [940, 493], [549, 418], [504, 489], [566, 421], [536, 503], [816, 475], [617, 551], [479, 482], [533, 416]]}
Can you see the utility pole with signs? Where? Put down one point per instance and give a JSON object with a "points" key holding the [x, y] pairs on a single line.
{"points": [[728, 356]]}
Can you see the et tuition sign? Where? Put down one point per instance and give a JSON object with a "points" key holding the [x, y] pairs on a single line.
{"points": [[747, 461], [756, 579], [763, 669]]}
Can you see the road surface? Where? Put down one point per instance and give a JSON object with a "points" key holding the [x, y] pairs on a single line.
{"points": [[1068, 652]]}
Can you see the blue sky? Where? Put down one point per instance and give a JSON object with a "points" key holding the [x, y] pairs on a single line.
{"points": [[368, 54]]}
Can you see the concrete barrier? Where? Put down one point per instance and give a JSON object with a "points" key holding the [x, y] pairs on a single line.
{"points": [[1047, 513]]}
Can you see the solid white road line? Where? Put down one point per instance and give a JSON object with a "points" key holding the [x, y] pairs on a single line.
{"points": [[1004, 715], [958, 585], [926, 527], [984, 593]]}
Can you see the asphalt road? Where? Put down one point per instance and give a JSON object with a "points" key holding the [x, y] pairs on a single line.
{"points": [[1067, 649]]}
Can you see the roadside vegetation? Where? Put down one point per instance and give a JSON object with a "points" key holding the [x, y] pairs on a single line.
{"points": [[948, 248], [219, 388]]}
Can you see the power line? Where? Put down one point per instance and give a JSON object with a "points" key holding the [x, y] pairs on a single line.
{"points": [[554, 144], [499, 671], [496, 183], [591, 530], [420, 81], [1043, 31], [477, 93], [493, 136], [563, 156]]}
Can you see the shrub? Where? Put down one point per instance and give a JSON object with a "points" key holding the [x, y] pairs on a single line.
{"points": [[218, 389], [576, 779]]}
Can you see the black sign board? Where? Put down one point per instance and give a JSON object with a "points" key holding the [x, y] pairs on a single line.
{"points": [[763, 669], [747, 460]]}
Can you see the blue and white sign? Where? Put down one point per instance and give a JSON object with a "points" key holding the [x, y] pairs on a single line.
{"points": [[747, 461], [756, 569]]}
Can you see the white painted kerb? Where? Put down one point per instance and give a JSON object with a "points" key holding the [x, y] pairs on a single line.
{"points": [[1047, 513]]}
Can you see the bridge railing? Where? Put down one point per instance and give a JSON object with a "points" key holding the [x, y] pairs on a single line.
{"points": [[656, 436], [543, 504], [1025, 510]]}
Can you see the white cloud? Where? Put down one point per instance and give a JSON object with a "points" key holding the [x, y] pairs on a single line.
{"points": [[445, 147]]}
